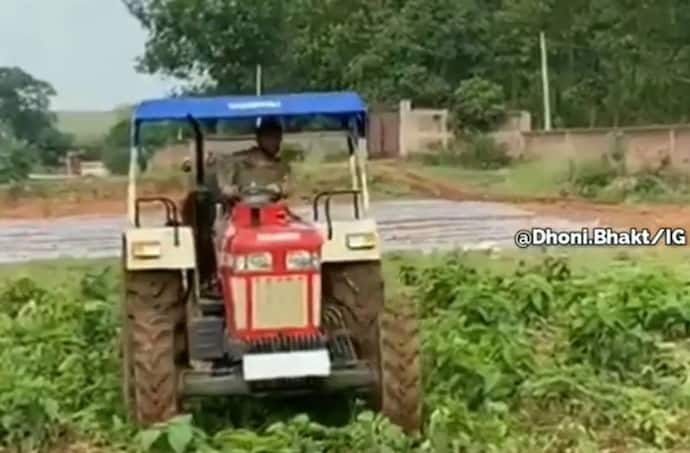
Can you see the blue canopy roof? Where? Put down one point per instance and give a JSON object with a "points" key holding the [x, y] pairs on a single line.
{"points": [[342, 105]]}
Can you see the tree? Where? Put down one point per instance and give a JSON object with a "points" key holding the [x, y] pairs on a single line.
{"points": [[24, 103], [611, 61], [117, 142], [16, 159], [478, 105], [25, 110], [220, 40]]}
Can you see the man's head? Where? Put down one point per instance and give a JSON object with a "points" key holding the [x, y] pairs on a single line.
{"points": [[269, 135]]}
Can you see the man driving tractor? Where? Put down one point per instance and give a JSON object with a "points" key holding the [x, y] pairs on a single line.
{"points": [[297, 307], [259, 166]]}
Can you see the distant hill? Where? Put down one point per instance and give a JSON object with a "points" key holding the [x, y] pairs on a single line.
{"points": [[89, 126]]}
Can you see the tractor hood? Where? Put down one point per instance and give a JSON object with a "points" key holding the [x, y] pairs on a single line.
{"points": [[276, 238]]}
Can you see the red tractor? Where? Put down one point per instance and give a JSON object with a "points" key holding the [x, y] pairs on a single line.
{"points": [[300, 304]]}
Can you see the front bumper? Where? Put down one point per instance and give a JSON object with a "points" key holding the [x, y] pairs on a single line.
{"points": [[213, 383]]}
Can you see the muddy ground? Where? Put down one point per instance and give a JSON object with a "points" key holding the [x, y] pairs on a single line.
{"points": [[412, 225], [443, 217]]}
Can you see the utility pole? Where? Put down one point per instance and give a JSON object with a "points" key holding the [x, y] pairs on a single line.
{"points": [[259, 80], [259, 77], [545, 82]]}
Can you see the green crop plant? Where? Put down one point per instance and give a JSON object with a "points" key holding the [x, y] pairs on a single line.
{"points": [[538, 358]]}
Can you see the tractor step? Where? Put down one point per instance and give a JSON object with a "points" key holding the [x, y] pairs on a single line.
{"points": [[212, 306]]}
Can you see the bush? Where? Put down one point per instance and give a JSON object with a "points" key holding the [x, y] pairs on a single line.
{"points": [[16, 160], [478, 152], [608, 179], [116, 160], [589, 178], [479, 104], [485, 153]]}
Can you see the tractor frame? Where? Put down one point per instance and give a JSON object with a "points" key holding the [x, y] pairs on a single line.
{"points": [[174, 336]]}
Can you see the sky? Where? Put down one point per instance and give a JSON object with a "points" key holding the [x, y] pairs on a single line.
{"points": [[86, 49]]}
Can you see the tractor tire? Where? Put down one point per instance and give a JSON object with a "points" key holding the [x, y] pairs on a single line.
{"points": [[400, 372], [357, 291], [153, 343], [128, 392]]}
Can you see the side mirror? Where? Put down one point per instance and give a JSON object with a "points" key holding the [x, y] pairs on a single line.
{"points": [[187, 165]]}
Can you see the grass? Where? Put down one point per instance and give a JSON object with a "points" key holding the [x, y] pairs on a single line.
{"points": [[544, 178], [591, 179]]}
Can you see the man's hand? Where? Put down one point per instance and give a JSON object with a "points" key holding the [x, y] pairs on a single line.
{"points": [[229, 192], [275, 188]]}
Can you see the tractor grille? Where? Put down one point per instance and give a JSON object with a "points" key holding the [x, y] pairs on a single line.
{"points": [[280, 302]]}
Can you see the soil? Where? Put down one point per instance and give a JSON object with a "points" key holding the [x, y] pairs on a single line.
{"points": [[619, 216], [614, 215]]}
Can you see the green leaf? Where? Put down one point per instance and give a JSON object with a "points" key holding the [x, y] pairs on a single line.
{"points": [[180, 435], [148, 438]]}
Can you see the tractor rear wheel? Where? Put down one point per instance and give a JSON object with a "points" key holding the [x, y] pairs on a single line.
{"points": [[400, 372], [128, 392], [357, 291], [153, 343]]}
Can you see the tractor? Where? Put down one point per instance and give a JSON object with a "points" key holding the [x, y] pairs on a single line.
{"points": [[299, 304]]}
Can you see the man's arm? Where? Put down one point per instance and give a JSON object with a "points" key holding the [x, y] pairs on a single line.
{"points": [[227, 175], [286, 183]]}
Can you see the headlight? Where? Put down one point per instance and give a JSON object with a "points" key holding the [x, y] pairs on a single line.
{"points": [[361, 241], [299, 260], [253, 262], [146, 249]]}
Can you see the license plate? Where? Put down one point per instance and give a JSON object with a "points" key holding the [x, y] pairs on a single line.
{"points": [[281, 365]]}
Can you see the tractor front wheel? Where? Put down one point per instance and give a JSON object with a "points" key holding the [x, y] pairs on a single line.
{"points": [[400, 368], [153, 337]]}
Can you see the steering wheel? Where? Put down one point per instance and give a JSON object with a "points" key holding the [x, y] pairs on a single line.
{"points": [[257, 195]]}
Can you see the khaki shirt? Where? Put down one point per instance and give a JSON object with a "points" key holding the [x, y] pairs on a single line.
{"points": [[240, 170]]}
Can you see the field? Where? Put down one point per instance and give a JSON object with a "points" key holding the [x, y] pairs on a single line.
{"points": [[527, 352], [87, 126], [540, 354], [534, 186]]}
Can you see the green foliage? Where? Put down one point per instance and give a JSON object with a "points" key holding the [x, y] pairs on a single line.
{"points": [[63, 347], [484, 152], [538, 358], [608, 179], [116, 160], [610, 62], [116, 144], [474, 151], [478, 105], [602, 351], [25, 110], [16, 160]]}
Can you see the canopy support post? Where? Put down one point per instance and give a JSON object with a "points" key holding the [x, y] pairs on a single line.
{"points": [[361, 162], [133, 164], [199, 150]]}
